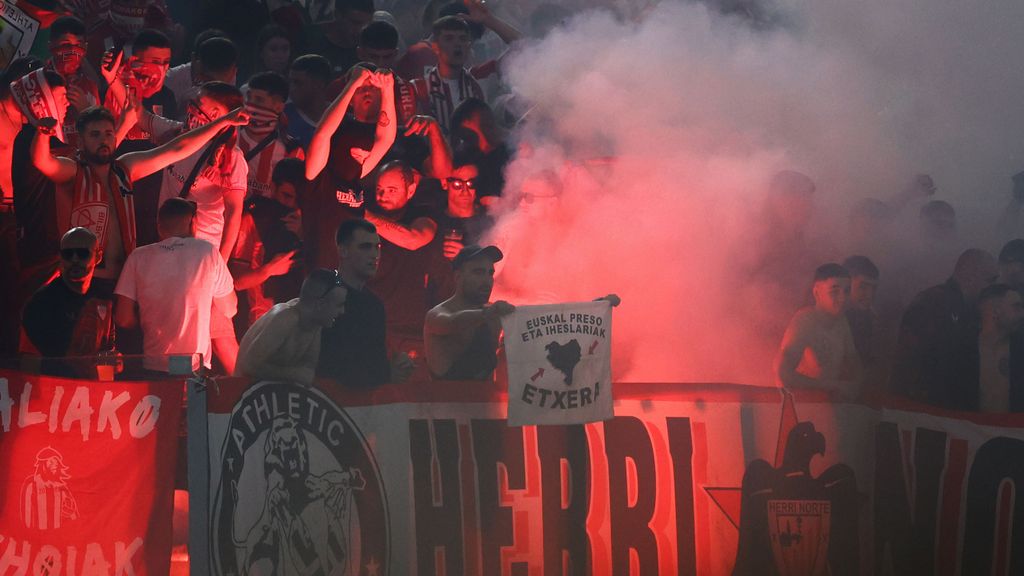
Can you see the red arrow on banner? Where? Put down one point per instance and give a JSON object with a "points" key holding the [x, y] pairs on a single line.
{"points": [[592, 347], [540, 372]]}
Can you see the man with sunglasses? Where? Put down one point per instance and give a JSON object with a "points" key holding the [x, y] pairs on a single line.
{"points": [[68, 317], [284, 344]]}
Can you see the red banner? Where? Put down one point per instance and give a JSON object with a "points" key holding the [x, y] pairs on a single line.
{"points": [[86, 475]]}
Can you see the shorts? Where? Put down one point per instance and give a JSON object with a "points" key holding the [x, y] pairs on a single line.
{"points": [[220, 325]]}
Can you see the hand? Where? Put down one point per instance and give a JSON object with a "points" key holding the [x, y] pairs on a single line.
{"points": [[613, 299], [401, 367], [361, 76], [478, 12], [77, 97], [921, 187], [237, 117], [359, 155], [47, 126], [452, 248], [133, 110], [498, 309], [384, 79], [293, 222], [280, 265], [422, 126], [110, 68]]}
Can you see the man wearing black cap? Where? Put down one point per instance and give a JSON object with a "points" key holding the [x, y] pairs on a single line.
{"points": [[461, 333]]}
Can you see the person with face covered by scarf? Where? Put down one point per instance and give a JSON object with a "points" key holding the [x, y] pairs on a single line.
{"points": [[264, 142], [67, 51]]}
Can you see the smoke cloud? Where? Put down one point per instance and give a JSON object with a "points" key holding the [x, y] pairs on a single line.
{"points": [[644, 163]]}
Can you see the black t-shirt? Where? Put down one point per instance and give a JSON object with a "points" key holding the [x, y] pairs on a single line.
{"points": [[336, 195], [35, 202], [401, 278], [267, 215], [353, 352], [60, 322]]}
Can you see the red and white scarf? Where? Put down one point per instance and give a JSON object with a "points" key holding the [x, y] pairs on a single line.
{"points": [[90, 207], [442, 101]]}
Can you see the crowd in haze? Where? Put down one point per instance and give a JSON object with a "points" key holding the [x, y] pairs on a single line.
{"points": [[293, 190]]}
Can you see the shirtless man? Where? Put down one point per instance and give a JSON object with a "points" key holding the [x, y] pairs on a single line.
{"points": [[461, 333], [817, 350], [284, 344], [108, 210], [1002, 313]]}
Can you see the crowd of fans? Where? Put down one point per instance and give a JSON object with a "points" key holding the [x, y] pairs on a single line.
{"points": [[293, 193]]}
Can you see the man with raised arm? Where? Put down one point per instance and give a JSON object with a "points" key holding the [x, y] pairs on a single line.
{"points": [[95, 189]]}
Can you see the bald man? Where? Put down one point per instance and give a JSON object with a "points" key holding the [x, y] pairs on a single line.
{"points": [[67, 317], [937, 350]]}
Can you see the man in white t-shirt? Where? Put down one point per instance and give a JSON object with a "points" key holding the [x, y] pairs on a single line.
{"points": [[170, 288], [284, 344], [817, 350]]}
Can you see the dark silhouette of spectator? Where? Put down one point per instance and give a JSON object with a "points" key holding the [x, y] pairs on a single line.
{"points": [[175, 284], [307, 90], [406, 230], [273, 50], [355, 133], [1011, 225], [337, 38], [68, 317], [264, 264], [817, 350], [353, 352], [937, 349], [461, 333], [285, 343], [215, 59], [1001, 313], [860, 312], [1011, 273]]}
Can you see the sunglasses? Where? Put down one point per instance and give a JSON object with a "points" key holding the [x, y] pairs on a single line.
{"points": [[196, 111], [335, 284], [72, 253], [458, 184]]}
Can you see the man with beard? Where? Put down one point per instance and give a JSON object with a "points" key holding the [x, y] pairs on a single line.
{"points": [[406, 230], [1002, 313], [354, 351], [284, 344], [95, 189], [461, 333], [345, 148], [67, 317]]}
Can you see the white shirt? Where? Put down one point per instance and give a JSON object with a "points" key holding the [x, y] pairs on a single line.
{"points": [[174, 282], [207, 191], [179, 81]]}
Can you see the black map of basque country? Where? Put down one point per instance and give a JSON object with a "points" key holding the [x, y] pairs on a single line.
{"points": [[564, 357]]}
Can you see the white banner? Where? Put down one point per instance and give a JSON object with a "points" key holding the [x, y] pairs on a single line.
{"points": [[559, 363], [17, 32]]}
